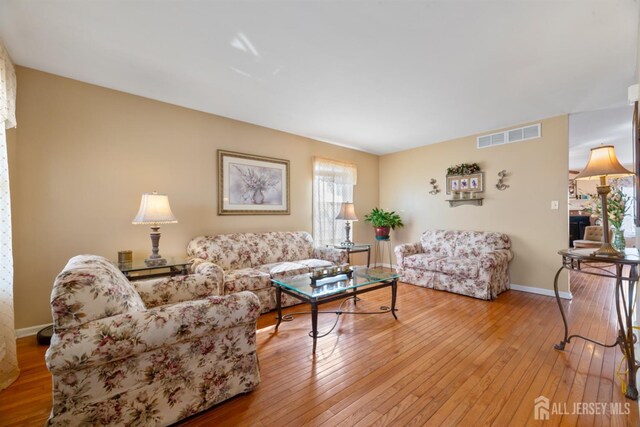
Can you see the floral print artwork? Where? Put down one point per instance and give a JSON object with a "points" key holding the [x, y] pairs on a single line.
{"points": [[470, 263], [249, 261], [118, 361]]}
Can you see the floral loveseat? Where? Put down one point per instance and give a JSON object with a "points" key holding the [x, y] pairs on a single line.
{"points": [[472, 263], [248, 261], [119, 358]]}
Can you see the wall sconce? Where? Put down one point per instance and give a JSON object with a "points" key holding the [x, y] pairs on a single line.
{"points": [[501, 185], [434, 184]]}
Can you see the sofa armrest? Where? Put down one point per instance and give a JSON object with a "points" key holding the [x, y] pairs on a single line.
{"points": [[200, 266], [118, 337], [405, 250], [495, 258], [175, 289], [331, 254]]}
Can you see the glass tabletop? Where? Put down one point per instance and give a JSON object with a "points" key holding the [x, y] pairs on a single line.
{"points": [[140, 265], [356, 246], [361, 276]]}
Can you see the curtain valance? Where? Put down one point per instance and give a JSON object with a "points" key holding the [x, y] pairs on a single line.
{"points": [[338, 172], [7, 89]]}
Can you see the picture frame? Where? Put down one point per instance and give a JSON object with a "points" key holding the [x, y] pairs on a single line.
{"points": [[464, 184], [252, 185], [476, 182], [473, 183]]}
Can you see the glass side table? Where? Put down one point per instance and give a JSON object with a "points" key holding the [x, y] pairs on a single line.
{"points": [[356, 248], [139, 270]]}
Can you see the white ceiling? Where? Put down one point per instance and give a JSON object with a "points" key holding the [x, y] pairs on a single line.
{"points": [[590, 129], [380, 76]]}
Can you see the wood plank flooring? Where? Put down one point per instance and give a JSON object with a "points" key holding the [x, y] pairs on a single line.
{"points": [[448, 360]]}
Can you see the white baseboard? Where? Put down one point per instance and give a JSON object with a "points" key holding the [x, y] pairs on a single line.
{"points": [[31, 330], [540, 291]]}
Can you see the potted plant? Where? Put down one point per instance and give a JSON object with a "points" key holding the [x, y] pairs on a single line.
{"points": [[383, 221]]}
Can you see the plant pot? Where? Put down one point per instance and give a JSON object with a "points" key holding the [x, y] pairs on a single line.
{"points": [[382, 233]]}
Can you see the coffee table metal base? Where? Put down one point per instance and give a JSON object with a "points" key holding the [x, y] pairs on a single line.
{"points": [[345, 296]]}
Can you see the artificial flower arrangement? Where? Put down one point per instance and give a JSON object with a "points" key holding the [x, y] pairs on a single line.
{"points": [[463, 169], [617, 206]]}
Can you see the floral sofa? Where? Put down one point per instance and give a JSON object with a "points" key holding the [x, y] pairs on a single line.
{"points": [[248, 261], [123, 357], [472, 263]]}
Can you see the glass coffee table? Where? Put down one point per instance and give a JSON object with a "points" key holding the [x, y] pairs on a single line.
{"points": [[346, 286]]}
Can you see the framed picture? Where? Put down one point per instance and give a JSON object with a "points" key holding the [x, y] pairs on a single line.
{"points": [[476, 182], [466, 183], [252, 185], [453, 184]]}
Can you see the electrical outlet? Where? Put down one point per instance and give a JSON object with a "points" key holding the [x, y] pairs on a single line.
{"points": [[554, 205]]}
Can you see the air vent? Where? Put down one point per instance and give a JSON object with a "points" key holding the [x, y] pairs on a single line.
{"points": [[509, 136]]}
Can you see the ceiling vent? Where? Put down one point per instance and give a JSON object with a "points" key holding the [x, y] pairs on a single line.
{"points": [[512, 135]]}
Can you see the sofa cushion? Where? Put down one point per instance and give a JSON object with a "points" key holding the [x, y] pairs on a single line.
{"points": [[244, 250], [460, 267], [421, 262], [246, 279], [283, 269], [440, 243], [229, 251], [89, 288], [471, 244], [315, 263], [279, 246]]}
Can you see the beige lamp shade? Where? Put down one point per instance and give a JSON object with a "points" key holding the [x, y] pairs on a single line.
{"points": [[154, 209], [603, 162], [347, 212]]}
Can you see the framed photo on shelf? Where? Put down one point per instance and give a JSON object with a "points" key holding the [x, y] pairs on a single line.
{"points": [[252, 185], [473, 183], [476, 182], [464, 184]]}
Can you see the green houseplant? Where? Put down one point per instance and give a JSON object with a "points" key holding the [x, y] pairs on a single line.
{"points": [[383, 221]]}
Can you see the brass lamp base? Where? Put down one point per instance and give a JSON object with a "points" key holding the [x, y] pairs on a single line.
{"points": [[606, 250]]}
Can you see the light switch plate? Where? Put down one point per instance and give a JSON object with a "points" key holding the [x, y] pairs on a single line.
{"points": [[554, 205]]}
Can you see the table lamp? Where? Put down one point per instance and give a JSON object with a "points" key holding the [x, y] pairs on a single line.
{"points": [[347, 213], [155, 210], [604, 164]]}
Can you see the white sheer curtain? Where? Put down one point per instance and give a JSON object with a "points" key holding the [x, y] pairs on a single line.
{"points": [[333, 183], [8, 360]]}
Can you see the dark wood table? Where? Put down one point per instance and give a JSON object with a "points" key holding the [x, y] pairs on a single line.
{"points": [[582, 261]]}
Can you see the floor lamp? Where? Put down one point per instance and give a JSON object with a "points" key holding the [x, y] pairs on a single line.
{"points": [[604, 164]]}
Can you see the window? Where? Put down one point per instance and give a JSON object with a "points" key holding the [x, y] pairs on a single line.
{"points": [[333, 183]]}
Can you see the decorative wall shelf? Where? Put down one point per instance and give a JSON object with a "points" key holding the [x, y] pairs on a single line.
{"points": [[457, 202]]}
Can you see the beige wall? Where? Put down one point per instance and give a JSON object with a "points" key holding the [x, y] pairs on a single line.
{"points": [[82, 155], [537, 174]]}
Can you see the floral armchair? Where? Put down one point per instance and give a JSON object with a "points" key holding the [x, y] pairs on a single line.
{"points": [[123, 357], [248, 261], [473, 263]]}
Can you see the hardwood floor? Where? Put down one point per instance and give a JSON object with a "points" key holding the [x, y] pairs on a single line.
{"points": [[448, 360]]}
